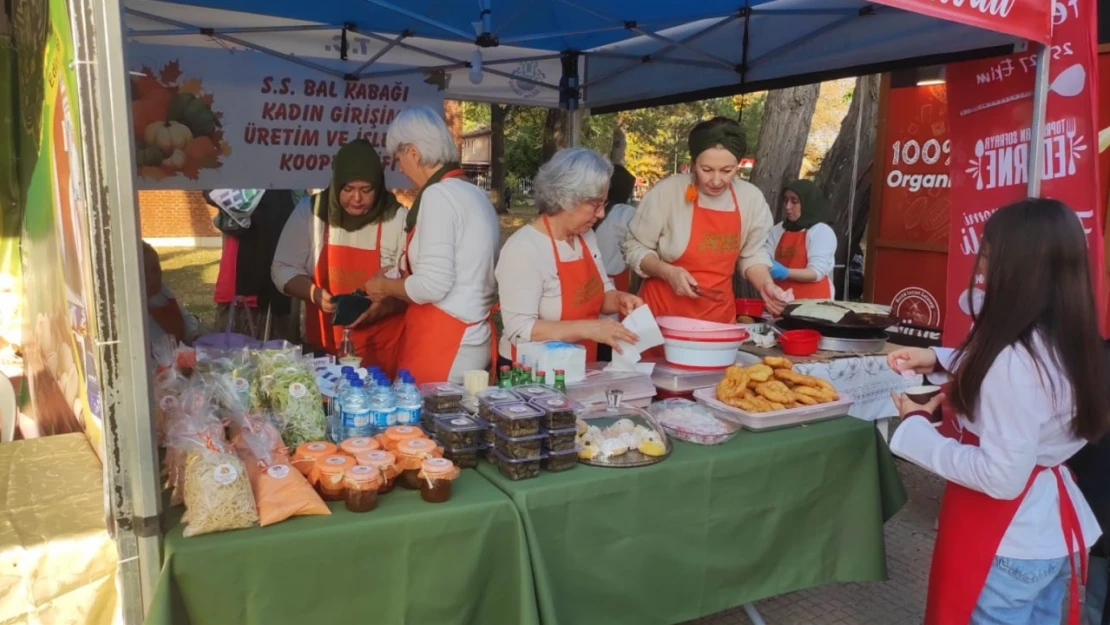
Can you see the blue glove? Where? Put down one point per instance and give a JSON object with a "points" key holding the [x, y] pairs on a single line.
{"points": [[779, 271]]}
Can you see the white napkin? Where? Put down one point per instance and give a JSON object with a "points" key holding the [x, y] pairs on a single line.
{"points": [[642, 323]]}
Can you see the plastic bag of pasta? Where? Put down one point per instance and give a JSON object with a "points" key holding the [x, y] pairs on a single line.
{"points": [[280, 492], [217, 491], [189, 423]]}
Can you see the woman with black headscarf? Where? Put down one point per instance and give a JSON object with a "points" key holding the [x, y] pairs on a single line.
{"points": [[337, 240], [803, 245], [692, 232]]}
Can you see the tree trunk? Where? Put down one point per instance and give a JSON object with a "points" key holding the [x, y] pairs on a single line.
{"points": [[835, 176], [617, 153], [782, 140], [783, 132], [497, 157], [453, 114], [556, 132]]}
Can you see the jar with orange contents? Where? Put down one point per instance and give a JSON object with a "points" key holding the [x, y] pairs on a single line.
{"points": [[329, 472], [306, 455], [392, 438], [352, 446], [384, 462], [362, 484], [436, 476], [410, 455]]}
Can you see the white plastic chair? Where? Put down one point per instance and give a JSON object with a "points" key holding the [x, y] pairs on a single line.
{"points": [[8, 409]]}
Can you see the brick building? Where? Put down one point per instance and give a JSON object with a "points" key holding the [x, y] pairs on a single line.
{"points": [[177, 219]]}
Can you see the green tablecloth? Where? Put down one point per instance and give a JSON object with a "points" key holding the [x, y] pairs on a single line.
{"points": [[408, 561], [709, 528]]}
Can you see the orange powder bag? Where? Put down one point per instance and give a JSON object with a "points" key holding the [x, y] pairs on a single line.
{"points": [[280, 491]]}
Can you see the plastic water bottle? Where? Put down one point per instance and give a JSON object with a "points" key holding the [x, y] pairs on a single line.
{"points": [[335, 410], [383, 405], [356, 410], [347, 355], [409, 402], [399, 381]]}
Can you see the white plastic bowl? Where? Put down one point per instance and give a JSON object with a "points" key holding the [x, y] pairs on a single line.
{"points": [[713, 354]]}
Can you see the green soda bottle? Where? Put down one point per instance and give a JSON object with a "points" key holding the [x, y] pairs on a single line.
{"points": [[560, 380], [541, 377], [505, 379]]}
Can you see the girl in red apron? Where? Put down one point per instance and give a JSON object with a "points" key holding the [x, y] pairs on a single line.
{"points": [[698, 281], [803, 245], [570, 196], [1028, 389], [347, 233], [432, 345]]}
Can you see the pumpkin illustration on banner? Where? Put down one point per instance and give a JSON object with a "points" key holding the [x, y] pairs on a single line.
{"points": [[177, 132]]}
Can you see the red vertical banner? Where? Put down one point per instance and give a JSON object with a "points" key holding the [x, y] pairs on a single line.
{"points": [[911, 234], [990, 111]]}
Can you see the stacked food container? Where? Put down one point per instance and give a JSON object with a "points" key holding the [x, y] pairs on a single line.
{"points": [[673, 382], [531, 428]]}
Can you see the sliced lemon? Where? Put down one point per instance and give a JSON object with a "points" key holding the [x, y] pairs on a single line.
{"points": [[650, 447], [588, 452]]}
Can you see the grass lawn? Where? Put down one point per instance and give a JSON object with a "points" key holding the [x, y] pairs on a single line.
{"points": [[191, 272]]}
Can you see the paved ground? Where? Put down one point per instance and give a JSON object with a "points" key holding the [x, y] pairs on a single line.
{"points": [[898, 601]]}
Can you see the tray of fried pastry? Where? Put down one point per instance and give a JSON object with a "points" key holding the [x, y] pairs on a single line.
{"points": [[771, 394]]}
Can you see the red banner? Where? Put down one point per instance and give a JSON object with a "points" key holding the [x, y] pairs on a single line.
{"points": [[911, 239], [1029, 19], [991, 107]]}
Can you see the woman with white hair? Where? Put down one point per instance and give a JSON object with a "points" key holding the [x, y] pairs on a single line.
{"points": [[551, 277], [452, 236]]}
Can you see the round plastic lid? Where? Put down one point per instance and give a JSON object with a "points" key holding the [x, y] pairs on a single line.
{"points": [[437, 466], [364, 473], [352, 445], [415, 446], [334, 463], [378, 458]]}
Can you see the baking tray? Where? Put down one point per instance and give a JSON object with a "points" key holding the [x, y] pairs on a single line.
{"points": [[851, 346], [761, 421]]}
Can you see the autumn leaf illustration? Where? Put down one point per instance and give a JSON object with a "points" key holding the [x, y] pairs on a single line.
{"points": [[154, 173], [171, 72], [190, 171], [207, 99], [192, 86], [217, 136]]}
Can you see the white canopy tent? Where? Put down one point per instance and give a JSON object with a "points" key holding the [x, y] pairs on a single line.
{"points": [[605, 55]]}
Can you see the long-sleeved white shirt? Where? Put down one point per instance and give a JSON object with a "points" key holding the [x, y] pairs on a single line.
{"points": [[453, 254], [155, 331], [1021, 424], [664, 220], [820, 248], [528, 281], [302, 241], [611, 235]]}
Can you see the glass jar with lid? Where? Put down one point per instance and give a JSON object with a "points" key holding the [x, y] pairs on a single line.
{"points": [[411, 454], [436, 476], [362, 483], [385, 462], [329, 472]]}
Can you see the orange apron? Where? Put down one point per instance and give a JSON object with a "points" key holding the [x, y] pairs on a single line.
{"points": [[791, 252], [342, 269], [623, 281], [710, 257], [971, 527], [583, 291], [169, 317], [431, 338]]}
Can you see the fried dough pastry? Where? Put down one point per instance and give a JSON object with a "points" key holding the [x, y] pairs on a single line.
{"points": [[805, 400], [760, 372], [733, 385], [775, 391], [821, 395], [778, 362]]}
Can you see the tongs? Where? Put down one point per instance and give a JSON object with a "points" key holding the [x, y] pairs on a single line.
{"points": [[715, 295]]}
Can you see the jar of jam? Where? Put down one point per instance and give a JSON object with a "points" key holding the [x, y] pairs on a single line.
{"points": [[410, 455], [352, 446], [397, 434], [436, 475], [306, 455], [329, 472], [384, 462], [362, 484]]}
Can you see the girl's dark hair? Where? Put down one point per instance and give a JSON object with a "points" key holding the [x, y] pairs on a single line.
{"points": [[1037, 281]]}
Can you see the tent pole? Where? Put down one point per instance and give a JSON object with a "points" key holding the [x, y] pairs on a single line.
{"points": [[1040, 107], [852, 189], [131, 453]]}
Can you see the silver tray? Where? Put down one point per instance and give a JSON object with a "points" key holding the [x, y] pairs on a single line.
{"points": [[604, 417], [851, 346]]}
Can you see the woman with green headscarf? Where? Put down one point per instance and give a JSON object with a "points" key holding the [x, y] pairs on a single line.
{"points": [[693, 231], [803, 245], [333, 243]]}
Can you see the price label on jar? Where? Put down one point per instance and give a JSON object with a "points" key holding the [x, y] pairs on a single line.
{"points": [[336, 460], [297, 390], [317, 446], [240, 385], [278, 471], [225, 474], [460, 421]]}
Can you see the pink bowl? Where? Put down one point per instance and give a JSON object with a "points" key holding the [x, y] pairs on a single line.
{"points": [[698, 330]]}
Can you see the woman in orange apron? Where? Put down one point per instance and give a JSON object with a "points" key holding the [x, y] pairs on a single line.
{"points": [[691, 234], [1028, 386], [333, 243], [803, 245], [551, 277], [451, 245]]}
